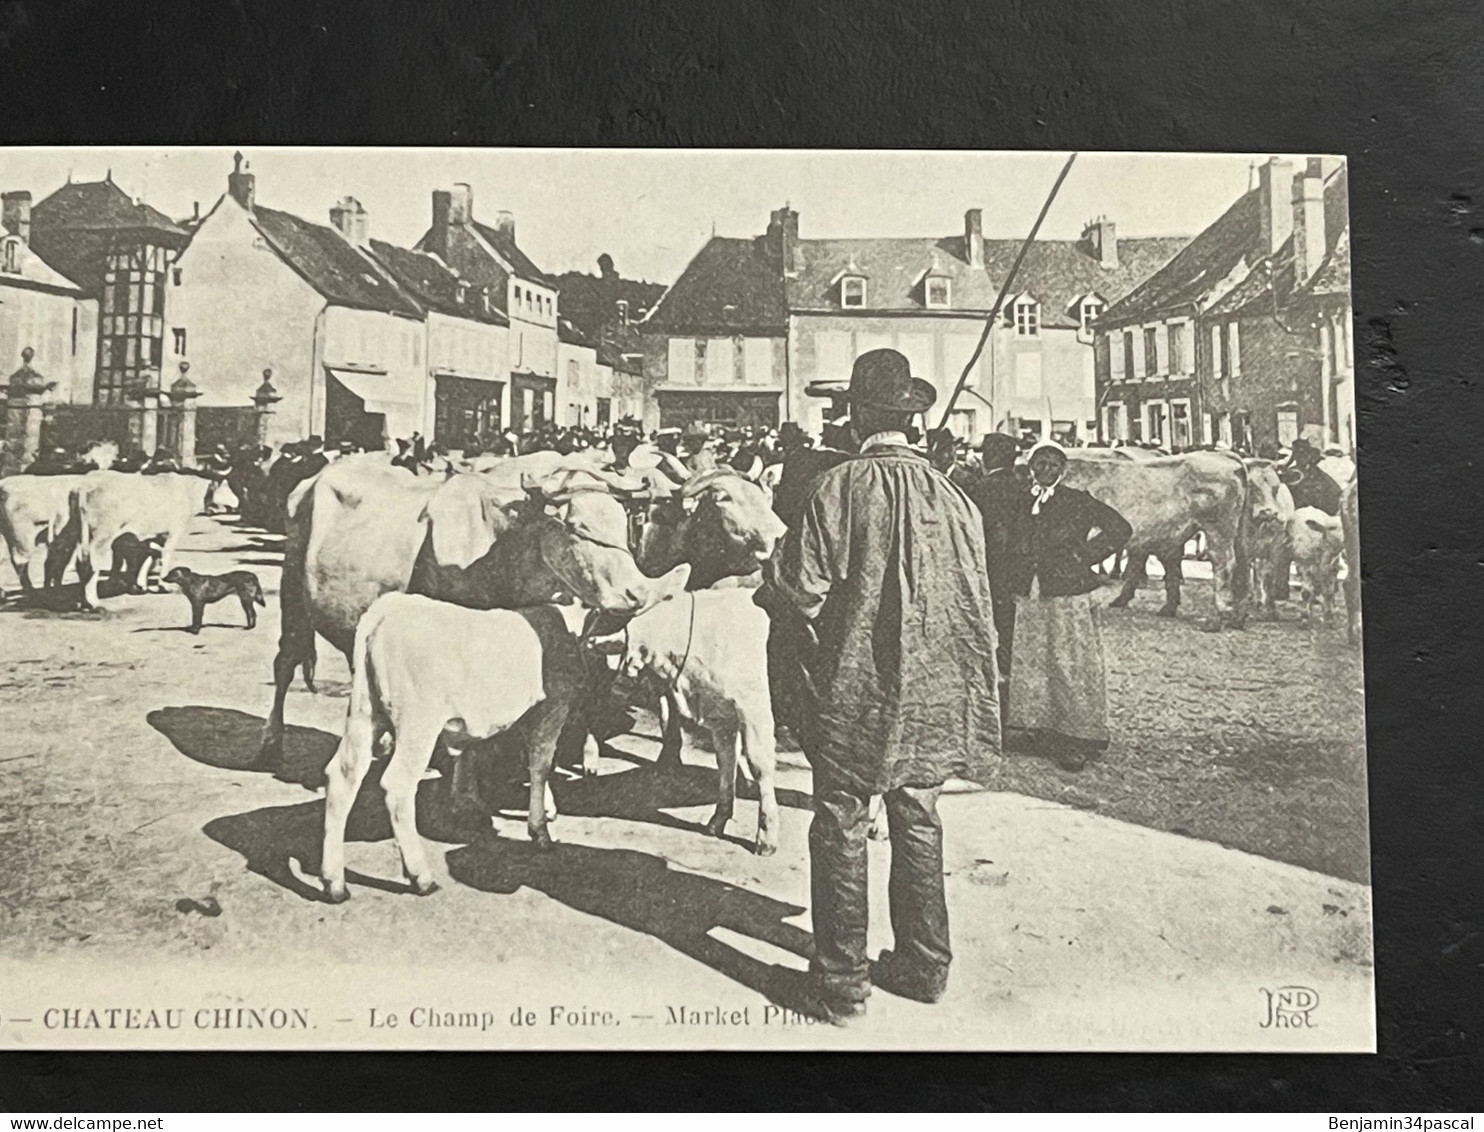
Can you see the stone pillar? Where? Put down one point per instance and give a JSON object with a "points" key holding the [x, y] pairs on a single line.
{"points": [[23, 414], [264, 400], [144, 421], [183, 394]]}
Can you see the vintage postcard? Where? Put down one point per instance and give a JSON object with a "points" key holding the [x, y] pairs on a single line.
{"points": [[563, 599]]}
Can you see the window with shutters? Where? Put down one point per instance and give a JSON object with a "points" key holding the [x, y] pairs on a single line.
{"points": [[701, 361], [681, 364], [1151, 351], [758, 367], [1128, 354], [1234, 348], [1180, 424], [1116, 371], [1177, 347]]}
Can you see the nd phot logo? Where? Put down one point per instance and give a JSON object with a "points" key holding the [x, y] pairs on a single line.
{"points": [[1289, 1008]]}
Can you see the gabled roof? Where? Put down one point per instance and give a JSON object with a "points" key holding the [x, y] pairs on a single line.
{"points": [[433, 285], [1256, 286], [341, 273], [1228, 250], [504, 243], [730, 285], [733, 284], [73, 228]]}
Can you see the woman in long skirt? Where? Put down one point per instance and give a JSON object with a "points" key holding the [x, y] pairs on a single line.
{"points": [[1058, 676]]}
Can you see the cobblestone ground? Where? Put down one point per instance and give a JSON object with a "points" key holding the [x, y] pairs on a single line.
{"points": [[129, 801]]}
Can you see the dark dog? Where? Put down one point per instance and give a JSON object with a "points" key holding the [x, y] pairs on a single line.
{"points": [[134, 560], [203, 589]]}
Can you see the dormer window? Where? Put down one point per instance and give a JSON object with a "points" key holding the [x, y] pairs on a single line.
{"points": [[1091, 306], [853, 291], [1027, 314], [461, 292], [10, 257], [936, 292]]}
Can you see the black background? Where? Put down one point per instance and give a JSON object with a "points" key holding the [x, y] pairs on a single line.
{"points": [[1397, 87]]}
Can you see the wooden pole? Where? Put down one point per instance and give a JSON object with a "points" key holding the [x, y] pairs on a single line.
{"points": [[994, 314]]}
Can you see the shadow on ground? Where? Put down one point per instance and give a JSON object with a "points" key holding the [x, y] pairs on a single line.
{"points": [[230, 740]]}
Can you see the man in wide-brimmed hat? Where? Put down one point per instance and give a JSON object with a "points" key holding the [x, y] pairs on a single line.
{"points": [[885, 578], [1000, 493]]}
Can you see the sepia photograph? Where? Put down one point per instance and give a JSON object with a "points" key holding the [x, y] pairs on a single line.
{"points": [[482, 599]]}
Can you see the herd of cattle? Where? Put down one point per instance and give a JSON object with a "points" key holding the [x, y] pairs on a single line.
{"points": [[474, 604]]}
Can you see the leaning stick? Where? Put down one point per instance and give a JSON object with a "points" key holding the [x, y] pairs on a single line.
{"points": [[994, 313]]}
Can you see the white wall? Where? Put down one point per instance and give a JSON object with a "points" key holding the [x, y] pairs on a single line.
{"points": [[244, 310], [46, 322]]}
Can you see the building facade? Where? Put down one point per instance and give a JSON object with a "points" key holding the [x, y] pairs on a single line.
{"points": [[366, 341], [121, 252], [488, 258], [751, 325], [41, 308], [1244, 339]]}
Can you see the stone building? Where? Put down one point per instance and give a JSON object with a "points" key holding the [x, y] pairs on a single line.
{"points": [[1244, 339]]}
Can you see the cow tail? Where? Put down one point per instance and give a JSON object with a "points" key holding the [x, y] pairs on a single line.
{"points": [[296, 625], [257, 594], [77, 521], [1242, 547]]}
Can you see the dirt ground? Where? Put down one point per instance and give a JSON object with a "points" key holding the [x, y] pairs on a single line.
{"points": [[130, 808]]}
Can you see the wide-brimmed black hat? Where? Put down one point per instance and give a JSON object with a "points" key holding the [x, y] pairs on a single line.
{"points": [[882, 379], [998, 447]]}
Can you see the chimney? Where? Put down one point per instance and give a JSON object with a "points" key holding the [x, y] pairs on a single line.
{"points": [[505, 223], [351, 221], [1101, 236], [15, 214], [1309, 242], [782, 239], [1274, 212], [241, 185], [974, 237], [461, 204]]}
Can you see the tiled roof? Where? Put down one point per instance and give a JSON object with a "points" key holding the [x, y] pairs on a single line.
{"points": [[341, 273], [505, 244], [99, 205], [1334, 277], [1230, 247], [1256, 286], [733, 285], [433, 285], [79, 255], [591, 301], [71, 229], [1057, 273]]}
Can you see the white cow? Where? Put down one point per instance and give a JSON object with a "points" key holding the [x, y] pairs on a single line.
{"points": [[33, 514], [1318, 541], [105, 505], [707, 654], [423, 668]]}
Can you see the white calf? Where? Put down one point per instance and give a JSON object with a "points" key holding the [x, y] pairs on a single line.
{"points": [[707, 652], [1318, 542], [423, 669]]}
